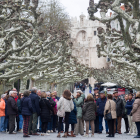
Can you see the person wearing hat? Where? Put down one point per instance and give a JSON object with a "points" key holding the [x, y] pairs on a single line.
{"points": [[120, 111], [100, 110], [79, 101]]}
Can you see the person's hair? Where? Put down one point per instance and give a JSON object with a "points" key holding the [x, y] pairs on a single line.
{"points": [[115, 92], [26, 93], [126, 94], [90, 97], [19, 96], [38, 90], [34, 89], [11, 92], [43, 95], [3, 96], [67, 94], [138, 94], [52, 94], [109, 96], [130, 94], [48, 93]]}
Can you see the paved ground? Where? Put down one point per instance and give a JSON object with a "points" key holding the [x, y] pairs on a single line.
{"points": [[19, 136]]}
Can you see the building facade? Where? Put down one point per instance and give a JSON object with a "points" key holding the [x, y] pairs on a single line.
{"points": [[84, 36]]}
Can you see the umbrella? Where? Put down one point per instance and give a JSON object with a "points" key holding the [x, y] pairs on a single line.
{"points": [[108, 84]]}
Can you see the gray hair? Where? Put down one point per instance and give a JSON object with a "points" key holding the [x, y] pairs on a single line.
{"points": [[3, 96], [38, 90], [34, 88], [48, 93], [11, 92]]}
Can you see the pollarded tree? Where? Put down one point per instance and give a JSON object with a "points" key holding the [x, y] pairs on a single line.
{"points": [[121, 45]]}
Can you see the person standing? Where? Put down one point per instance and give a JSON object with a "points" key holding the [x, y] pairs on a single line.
{"points": [[45, 113], [100, 111], [125, 114], [2, 112], [36, 112], [64, 106], [12, 111], [110, 107], [90, 88], [89, 114], [20, 96], [73, 120], [120, 111], [26, 111], [128, 106], [136, 113], [79, 101]]}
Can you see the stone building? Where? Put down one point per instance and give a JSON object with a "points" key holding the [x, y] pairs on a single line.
{"points": [[84, 36]]}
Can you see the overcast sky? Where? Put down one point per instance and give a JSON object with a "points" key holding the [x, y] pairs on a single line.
{"points": [[76, 7]]}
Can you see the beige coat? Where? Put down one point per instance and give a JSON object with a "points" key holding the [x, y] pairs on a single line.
{"points": [[136, 111], [110, 106]]}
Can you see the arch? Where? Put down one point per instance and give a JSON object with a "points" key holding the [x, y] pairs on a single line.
{"points": [[81, 35]]}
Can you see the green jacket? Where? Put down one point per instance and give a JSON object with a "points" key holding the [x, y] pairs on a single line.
{"points": [[125, 112], [79, 104]]}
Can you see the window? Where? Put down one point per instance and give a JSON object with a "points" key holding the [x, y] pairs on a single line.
{"points": [[94, 32]]}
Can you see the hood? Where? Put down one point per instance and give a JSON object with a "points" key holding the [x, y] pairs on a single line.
{"points": [[83, 96]]}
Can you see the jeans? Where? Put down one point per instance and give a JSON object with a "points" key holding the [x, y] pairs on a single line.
{"points": [[138, 127], [20, 121], [6, 123], [50, 124], [2, 123], [33, 123], [100, 123]]}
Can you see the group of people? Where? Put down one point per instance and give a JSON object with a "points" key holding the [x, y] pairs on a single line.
{"points": [[36, 110]]}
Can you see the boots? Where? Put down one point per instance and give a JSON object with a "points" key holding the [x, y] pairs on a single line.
{"points": [[68, 134], [72, 135]]}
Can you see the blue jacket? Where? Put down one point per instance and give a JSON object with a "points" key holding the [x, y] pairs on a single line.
{"points": [[72, 117], [129, 106], [35, 103], [26, 106], [19, 106], [101, 105]]}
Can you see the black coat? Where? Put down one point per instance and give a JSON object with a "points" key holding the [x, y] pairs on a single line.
{"points": [[45, 108], [12, 108], [53, 103], [35, 103], [72, 117], [26, 106], [89, 111], [120, 110]]}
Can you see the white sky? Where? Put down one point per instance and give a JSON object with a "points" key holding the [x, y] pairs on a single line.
{"points": [[76, 7]]}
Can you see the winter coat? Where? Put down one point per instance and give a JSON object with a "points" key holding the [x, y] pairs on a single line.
{"points": [[66, 104], [35, 102], [55, 107], [128, 106], [136, 111], [72, 116], [125, 110], [119, 107], [45, 108], [6, 108], [101, 105], [19, 106], [110, 106], [53, 103], [79, 104], [26, 106], [2, 107], [89, 111], [12, 108]]}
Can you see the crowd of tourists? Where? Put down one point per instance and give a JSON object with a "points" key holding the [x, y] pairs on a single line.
{"points": [[37, 111]]}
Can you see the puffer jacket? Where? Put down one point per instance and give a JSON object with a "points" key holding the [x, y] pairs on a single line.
{"points": [[2, 108], [119, 107], [128, 106], [79, 104], [72, 117], [101, 105], [12, 108], [89, 111], [66, 104], [136, 111], [110, 106]]}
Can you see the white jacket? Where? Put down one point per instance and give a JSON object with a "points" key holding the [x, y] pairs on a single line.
{"points": [[65, 104]]}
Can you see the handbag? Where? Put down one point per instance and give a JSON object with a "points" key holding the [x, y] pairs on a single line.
{"points": [[61, 113], [108, 116]]}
